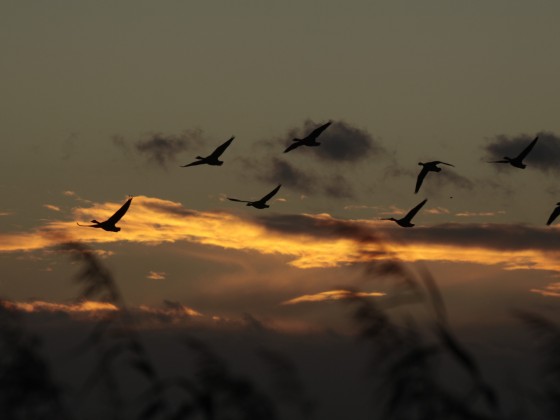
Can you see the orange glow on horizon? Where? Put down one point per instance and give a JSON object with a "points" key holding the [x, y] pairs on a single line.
{"points": [[42, 306], [157, 316], [154, 221], [92, 308], [552, 290], [331, 295]]}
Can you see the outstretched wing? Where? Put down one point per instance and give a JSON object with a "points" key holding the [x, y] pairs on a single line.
{"points": [[553, 216], [525, 152], [239, 201], [498, 161], [196, 162], [270, 194], [293, 146], [413, 212], [420, 179], [221, 149], [120, 213], [439, 162], [317, 132], [85, 225]]}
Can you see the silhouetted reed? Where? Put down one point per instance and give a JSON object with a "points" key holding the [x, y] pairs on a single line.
{"points": [[287, 383], [223, 395], [213, 393], [27, 388], [114, 339], [409, 361], [548, 340], [406, 362]]}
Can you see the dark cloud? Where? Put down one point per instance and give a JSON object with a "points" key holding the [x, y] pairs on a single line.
{"points": [[507, 237], [544, 156], [338, 187], [159, 148], [340, 142], [283, 172], [510, 237], [298, 224], [279, 171]]}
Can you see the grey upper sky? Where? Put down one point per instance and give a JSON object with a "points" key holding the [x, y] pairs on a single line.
{"points": [[431, 80]]}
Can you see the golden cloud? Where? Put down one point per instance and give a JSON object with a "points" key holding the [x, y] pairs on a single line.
{"points": [[324, 241], [146, 316], [155, 221], [51, 207], [331, 295], [175, 310], [552, 290], [156, 275], [93, 309], [42, 306]]}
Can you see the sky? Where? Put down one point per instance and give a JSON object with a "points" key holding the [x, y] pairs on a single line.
{"points": [[102, 101]]}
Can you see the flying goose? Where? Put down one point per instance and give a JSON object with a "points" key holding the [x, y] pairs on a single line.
{"points": [[405, 221], [109, 224], [554, 214], [259, 204], [518, 161], [428, 167], [309, 140], [212, 159]]}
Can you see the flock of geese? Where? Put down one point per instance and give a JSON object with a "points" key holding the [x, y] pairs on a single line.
{"points": [[311, 140]]}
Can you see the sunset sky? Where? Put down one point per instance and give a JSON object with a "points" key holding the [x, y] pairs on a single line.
{"points": [[105, 100]]}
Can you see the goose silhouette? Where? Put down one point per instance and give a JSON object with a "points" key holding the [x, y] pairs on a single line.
{"points": [[309, 140], [259, 204], [518, 160], [554, 214], [211, 159], [406, 220], [428, 167], [109, 224]]}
